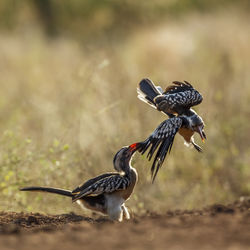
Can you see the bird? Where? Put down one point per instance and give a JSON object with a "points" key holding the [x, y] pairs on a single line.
{"points": [[178, 98], [176, 102], [106, 193]]}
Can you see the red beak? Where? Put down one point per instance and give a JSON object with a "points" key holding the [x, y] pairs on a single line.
{"points": [[133, 147]]}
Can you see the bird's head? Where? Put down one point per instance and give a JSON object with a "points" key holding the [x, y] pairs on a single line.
{"points": [[197, 125], [124, 155]]}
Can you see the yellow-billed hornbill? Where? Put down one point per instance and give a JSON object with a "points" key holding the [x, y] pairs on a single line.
{"points": [[106, 193], [176, 102]]}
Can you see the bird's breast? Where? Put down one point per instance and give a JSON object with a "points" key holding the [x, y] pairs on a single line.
{"points": [[186, 133], [125, 194]]}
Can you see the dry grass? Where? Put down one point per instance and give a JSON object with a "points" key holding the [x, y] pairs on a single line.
{"points": [[67, 107]]}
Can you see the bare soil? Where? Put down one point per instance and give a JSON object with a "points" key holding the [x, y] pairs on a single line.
{"points": [[214, 227]]}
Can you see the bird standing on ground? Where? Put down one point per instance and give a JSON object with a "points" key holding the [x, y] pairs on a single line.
{"points": [[106, 193], [176, 102]]}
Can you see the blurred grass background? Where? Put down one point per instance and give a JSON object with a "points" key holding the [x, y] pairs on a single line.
{"points": [[68, 76]]}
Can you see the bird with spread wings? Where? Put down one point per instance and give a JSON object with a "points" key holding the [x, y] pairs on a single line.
{"points": [[176, 102]]}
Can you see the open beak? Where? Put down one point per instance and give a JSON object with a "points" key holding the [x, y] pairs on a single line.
{"points": [[201, 133]]}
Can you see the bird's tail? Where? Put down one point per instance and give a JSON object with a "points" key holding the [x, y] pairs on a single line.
{"points": [[48, 190], [147, 91]]}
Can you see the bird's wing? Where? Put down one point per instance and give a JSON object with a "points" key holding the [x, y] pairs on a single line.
{"points": [[162, 139], [107, 184], [92, 181], [178, 97]]}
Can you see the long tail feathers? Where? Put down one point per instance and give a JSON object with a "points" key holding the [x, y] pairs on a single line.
{"points": [[49, 190], [147, 91]]}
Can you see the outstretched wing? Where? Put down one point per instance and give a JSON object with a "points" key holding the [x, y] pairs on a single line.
{"points": [[162, 139], [108, 184], [178, 98]]}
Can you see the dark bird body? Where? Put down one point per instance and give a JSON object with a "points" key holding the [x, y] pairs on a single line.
{"points": [[176, 102], [106, 193]]}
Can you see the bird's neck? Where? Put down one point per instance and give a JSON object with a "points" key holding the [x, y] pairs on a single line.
{"points": [[186, 122], [125, 167], [132, 176]]}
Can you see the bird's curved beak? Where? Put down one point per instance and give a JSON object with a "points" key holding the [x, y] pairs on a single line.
{"points": [[201, 133]]}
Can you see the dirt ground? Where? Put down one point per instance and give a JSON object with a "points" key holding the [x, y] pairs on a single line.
{"points": [[214, 227]]}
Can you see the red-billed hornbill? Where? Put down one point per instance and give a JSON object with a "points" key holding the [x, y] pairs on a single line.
{"points": [[106, 193], [176, 102]]}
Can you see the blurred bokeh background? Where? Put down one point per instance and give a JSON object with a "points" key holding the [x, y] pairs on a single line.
{"points": [[68, 77]]}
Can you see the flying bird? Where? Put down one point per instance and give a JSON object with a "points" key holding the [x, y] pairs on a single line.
{"points": [[106, 193], [176, 102]]}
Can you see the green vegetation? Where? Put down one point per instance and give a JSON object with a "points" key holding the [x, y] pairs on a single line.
{"points": [[67, 105]]}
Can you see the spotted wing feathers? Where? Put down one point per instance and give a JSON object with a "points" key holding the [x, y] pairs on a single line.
{"points": [[178, 87], [161, 140], [178, 98], [92, 181], [108, 184]]}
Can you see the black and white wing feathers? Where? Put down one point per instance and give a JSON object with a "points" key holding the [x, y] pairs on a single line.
{"points": [[178, 98], [107, 184], [92, 181], [162, 139]]}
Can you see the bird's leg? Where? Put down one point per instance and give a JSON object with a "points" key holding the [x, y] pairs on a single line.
{"points": [[125, 212], [114, 207], [198, 148]]}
